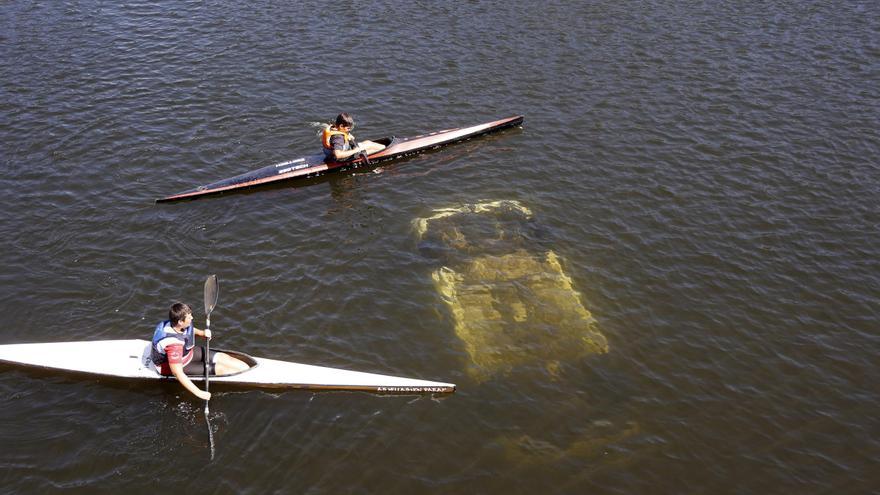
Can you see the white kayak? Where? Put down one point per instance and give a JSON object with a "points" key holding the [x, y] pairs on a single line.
{"points": [[130, 359]]}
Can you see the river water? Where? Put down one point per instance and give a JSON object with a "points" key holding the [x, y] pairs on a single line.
{"points": [[705, 175]]}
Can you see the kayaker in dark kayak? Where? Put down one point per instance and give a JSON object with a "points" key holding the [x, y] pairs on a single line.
{"points": [[340, 145], [314, 165], [174, 351]]}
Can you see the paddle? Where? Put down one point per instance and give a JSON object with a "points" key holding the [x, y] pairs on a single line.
{"points": [[212, 292], [362, 154]]}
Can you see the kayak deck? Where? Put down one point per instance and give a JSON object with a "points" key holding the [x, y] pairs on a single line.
{"points": [[130, 359], [317, 165]]}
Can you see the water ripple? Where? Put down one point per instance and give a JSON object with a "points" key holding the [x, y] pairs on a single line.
{"points": [[705, 171]]}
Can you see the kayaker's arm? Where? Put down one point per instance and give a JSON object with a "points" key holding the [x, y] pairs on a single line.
{"points": [[177, 371], [368, 147], [202, 333], [344, 154]]}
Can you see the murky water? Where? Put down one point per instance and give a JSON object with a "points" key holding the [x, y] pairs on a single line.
{"points": [[703, 186], [511, 304]]}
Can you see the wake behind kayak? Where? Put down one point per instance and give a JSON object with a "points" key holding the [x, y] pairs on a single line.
{"points": [[316, 165]]}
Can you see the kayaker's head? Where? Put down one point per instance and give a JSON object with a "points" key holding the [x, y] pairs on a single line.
{"points": [[180, 315], [344, 120]]}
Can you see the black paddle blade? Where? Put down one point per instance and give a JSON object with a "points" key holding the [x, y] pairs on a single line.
{"points": [[212, 292]]}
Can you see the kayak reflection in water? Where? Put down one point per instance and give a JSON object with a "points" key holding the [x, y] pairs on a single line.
{"points": [[174, 352], [340, 145]]}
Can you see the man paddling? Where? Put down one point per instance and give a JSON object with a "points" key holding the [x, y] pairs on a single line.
{"points": [[174, 351], [340, 145]]}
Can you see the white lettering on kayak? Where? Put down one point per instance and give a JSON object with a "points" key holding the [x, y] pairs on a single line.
{"points": [[290, 162], [295, 167], [411, 389]]}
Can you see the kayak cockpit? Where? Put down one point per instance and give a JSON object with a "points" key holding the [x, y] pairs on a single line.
{"points": [[386, 142], [249, 360], [252, 363]]}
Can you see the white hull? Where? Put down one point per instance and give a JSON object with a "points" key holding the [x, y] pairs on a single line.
{"points": [[131, 359]]}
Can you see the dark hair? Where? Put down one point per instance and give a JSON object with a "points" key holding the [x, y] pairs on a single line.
{"points": [[178, 312], [344, 119]]}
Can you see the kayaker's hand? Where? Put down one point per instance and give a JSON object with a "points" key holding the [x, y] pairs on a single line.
{"points": [[204, 395], [208, 334]]}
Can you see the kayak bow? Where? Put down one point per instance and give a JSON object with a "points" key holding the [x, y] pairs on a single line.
{"points": [[316, 165]]}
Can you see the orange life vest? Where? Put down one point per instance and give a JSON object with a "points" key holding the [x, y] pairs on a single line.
{"points": [[329, 132]]}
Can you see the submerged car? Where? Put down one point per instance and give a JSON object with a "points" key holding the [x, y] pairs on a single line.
{"points": [[510, 300]]}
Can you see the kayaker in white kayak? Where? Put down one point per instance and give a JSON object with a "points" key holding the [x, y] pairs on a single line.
{"points": [[174, 351], [340, 145]]}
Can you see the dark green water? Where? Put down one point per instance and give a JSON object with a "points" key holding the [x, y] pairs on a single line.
{"points": [[706, 172]]}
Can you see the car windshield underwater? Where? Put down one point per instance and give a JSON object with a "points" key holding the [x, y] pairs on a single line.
{"points": [[511, 302]]}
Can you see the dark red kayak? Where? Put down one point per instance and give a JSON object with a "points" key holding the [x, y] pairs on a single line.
{"points": [[315, 165]]}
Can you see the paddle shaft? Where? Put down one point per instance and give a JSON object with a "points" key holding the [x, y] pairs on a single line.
{"points": [[362, 154], [212, 292], [207, 356], [207, 384]]}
